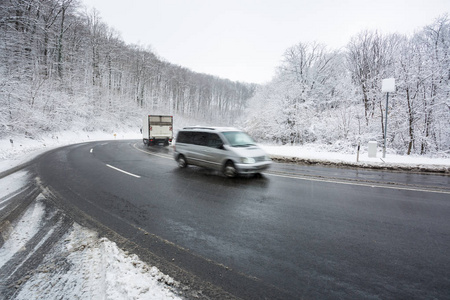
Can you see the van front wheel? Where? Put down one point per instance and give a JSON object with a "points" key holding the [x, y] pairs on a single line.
{"points": [[230, 170]]}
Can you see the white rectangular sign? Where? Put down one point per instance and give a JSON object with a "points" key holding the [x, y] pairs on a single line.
{"points": [[388, 85]]}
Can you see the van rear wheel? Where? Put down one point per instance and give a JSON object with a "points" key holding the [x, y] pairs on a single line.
{"points": [[230, 170], [182, 163]]}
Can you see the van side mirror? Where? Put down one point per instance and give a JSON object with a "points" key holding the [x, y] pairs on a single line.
{"points": [[221, 147]]}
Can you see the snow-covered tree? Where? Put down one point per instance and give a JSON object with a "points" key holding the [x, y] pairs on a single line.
{"points": [[335, 98], [62, 67]]}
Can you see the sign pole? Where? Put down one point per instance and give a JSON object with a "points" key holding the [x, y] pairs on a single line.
{"points": [[385, 125], [388, 85]]}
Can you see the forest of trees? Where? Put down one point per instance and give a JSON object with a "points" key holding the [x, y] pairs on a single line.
{"points": [[64, 69], [334, 98]]}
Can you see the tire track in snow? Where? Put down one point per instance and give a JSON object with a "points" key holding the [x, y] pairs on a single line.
{"points": [[13, 206], [26, 261]]}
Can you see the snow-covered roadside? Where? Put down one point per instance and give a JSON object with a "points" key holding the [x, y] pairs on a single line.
{"points": [[80, 266], [312, 154], [23, 149]]}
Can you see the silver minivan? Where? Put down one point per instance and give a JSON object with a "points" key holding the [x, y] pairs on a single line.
{"points": [[228, 150]]}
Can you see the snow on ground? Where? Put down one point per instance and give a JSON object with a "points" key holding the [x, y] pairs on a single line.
{"points": [[83, 266], [23, 149], [11, 185], [95, 268], [23, 231], [313, 153]]}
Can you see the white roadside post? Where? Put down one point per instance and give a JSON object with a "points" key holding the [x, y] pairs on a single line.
{"points": [[388, 85]]}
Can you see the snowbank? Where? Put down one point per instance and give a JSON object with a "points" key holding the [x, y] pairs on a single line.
{"points": [[80, 265], [98, 269], [311, 155]]}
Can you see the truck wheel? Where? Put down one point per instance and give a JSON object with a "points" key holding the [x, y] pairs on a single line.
{"points": [[230, 170], [182, 163]]}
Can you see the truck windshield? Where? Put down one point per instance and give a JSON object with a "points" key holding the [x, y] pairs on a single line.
{"points": [[238, 139]]}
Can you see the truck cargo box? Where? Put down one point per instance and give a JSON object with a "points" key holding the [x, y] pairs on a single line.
{"points": [[157, 130]]}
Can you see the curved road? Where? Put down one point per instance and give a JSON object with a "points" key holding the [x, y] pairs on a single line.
{"points": [[295, 232]]}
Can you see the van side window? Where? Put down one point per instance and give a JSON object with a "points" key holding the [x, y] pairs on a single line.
{"points": [[181, 137], [184, 137], [214, 140], [200, 138]]}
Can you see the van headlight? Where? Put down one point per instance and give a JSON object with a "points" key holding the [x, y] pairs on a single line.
{"points": [[248, 160]]}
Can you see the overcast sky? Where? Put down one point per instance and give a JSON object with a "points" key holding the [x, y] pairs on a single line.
{"points": [[244, 40]]}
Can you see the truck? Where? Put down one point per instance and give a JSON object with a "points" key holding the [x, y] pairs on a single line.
{"points": [[157, 130]]}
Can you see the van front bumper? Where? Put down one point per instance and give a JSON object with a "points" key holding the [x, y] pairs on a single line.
{"points": [[252, 168]]}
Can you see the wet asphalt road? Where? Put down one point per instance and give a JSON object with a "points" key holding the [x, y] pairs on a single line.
{"points": [[296, 232]]}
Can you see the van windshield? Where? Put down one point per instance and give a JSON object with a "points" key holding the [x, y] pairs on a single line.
{"points": [[238, 139]]}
